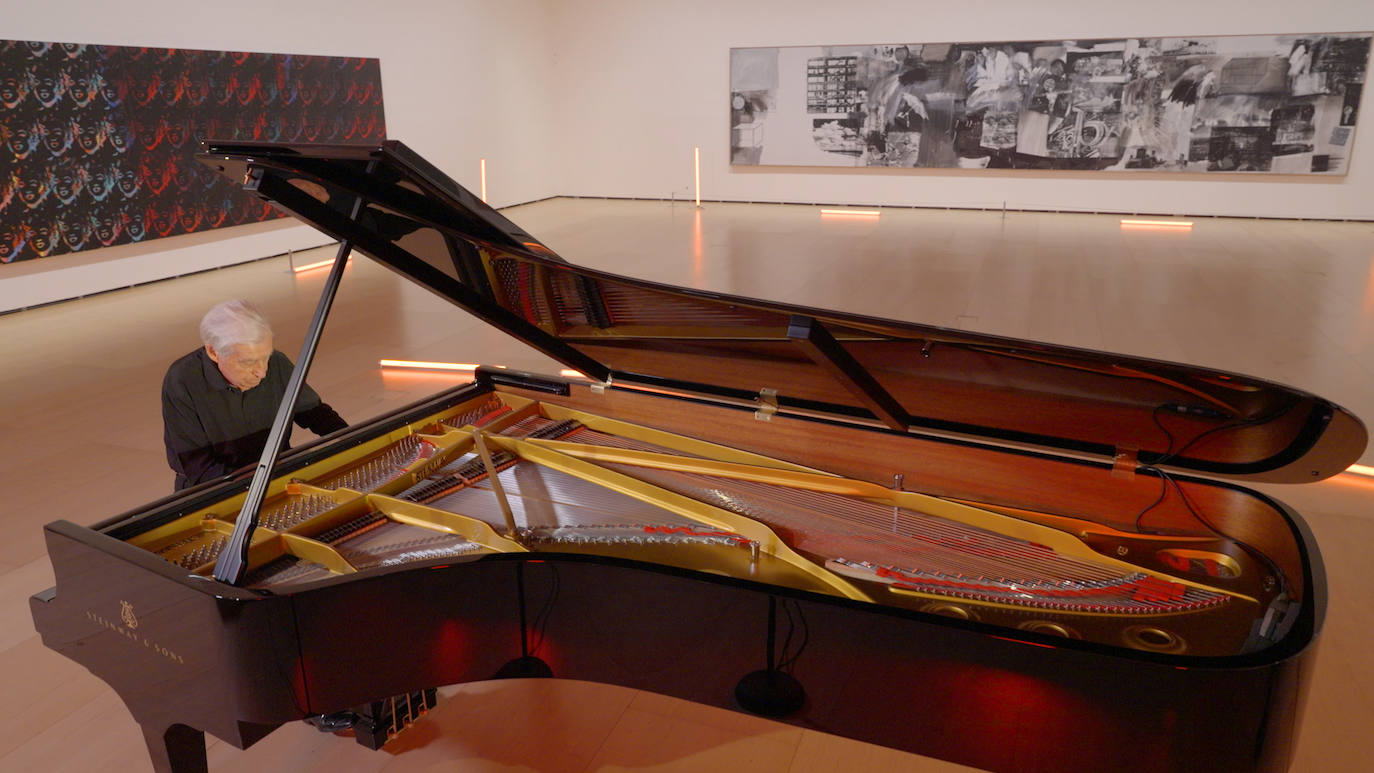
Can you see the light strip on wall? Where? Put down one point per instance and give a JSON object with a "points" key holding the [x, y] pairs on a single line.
{"points": [[321, 264], [570, 373], [1360, 469], [696, 173], [484, 181]]}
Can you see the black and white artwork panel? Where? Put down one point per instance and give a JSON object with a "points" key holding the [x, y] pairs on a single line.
{"points": [[1281, 104]]}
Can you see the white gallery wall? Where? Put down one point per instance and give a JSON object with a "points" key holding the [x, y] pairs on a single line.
{"points": [[462, 80], [642, 82], [609, 97]]}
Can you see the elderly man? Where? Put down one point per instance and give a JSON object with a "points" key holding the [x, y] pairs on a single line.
{"points": [[219, 401]]}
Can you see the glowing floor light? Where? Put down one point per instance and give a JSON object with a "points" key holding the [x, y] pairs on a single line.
{"points": [[870, 214], [420, 365], [321, 264], [1134, 224]]}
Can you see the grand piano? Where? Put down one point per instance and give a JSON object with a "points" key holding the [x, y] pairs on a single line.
{"points": [[1002, 553]]}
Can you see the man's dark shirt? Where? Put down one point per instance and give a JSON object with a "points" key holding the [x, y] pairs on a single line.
{"points": [[212, 428]]}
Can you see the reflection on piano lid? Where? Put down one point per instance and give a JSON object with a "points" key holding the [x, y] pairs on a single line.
{"points": [[996, 552]]}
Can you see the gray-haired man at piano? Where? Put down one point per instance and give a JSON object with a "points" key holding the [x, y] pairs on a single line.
{"points": [[219, 401]]}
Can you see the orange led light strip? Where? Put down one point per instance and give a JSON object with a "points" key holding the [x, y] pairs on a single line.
{"points": [[321, 264], [484, 181], [696, 172], [1181, 225], [1360, 469], [853, 212], [463, 366]]}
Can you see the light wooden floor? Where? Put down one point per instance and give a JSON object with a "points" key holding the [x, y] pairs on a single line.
{"points": [[80, 438]]}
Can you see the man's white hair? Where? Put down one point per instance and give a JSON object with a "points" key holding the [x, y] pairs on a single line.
{"points": [[231, 323]]}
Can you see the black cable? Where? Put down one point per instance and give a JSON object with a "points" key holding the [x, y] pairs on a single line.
{"points": [[1170, 454], [1254, 552], [1154, 415], [787, 663], [1166, 481], [1163, 489], [541, 618], [786, 641]]}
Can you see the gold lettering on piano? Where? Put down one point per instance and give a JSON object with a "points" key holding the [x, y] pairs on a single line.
{"points": [[128, 633]]}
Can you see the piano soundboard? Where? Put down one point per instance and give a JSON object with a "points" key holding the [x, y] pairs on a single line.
{"points": [[570, 481]]}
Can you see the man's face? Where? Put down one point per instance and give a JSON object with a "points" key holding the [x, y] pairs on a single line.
{"points": [[243, 365]]}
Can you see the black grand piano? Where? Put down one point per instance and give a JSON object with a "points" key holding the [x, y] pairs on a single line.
{"points": [[1007, 554]]}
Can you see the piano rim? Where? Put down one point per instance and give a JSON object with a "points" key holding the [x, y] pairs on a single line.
{"points": [[1302, 636]]}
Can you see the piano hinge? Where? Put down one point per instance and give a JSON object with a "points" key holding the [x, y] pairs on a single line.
{"points": [[252, 178], [1124, 462], [767, 401], [599, 387]]}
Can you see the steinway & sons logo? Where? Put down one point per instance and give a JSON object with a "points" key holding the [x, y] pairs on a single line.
{"points": [[129, 623]]}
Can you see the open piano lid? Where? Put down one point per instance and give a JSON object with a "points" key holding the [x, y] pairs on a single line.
{"points": [[909, 377]]}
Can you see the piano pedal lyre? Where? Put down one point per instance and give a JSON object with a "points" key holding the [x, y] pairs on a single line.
{"points": [[380, 721], [375, 723]]}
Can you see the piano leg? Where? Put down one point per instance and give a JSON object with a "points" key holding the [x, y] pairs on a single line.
{"points": [[176, 748]]}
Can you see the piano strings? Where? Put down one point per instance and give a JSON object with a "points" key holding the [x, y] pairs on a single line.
{"points": [[637, 492]]}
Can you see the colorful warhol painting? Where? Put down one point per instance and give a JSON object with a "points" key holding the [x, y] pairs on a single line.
{"points": [[1279, 104], [98, 143]]}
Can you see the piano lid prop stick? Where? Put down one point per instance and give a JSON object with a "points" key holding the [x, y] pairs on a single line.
{"points": [[495, 482], [233, 560]]}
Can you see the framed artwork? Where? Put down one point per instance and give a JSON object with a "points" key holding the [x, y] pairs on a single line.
{"points": [[1278, 104], [97, 143]]}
